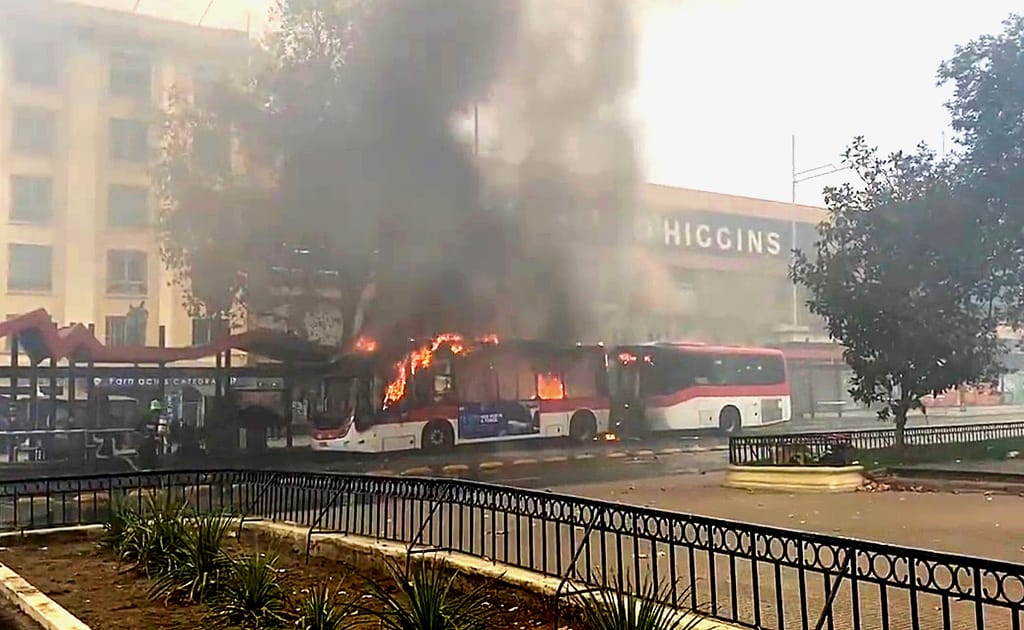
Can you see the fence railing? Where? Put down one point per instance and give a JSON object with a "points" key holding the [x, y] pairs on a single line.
{"points": [[748, 575], [841, 448]]}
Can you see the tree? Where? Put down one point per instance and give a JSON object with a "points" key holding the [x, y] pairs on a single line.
{"points": [[987, 111], [899, 286], [249, 187]]}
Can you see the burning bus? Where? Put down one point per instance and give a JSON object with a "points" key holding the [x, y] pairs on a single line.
{"points": [[453, 390]]}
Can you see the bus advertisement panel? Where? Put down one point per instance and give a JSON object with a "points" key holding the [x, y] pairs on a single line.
{"points": [[452, 391], [686, 386]]}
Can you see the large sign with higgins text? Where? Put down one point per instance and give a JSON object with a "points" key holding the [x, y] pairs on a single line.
{"points": [[724, 234]]}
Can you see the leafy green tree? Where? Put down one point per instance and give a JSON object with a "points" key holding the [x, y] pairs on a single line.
{"points": [[899, 285], [254, 217], [987, 111]]}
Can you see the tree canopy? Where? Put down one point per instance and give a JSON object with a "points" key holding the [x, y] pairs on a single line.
{"points": [[920, 262], [898, 285]]}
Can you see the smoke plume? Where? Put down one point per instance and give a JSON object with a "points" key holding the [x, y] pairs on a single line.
{"points": [[526, 241]]}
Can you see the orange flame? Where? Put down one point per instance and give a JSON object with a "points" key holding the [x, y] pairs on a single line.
{"points": [[550, 387], [417, 360], [366, 345]]}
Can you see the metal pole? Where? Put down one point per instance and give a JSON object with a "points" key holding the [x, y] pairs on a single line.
{"points": [[792, 233], [476, 129]]}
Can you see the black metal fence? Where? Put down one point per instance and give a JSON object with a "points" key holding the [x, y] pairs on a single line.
{"points": [[748, 575], [840, 449]]}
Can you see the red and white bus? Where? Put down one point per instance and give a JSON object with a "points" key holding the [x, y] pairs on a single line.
{"points": [[452, 392], [686, 386]]}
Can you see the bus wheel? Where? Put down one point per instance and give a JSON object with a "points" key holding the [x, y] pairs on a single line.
{"points": [[437, 436], [583, 426], [729, 420]]}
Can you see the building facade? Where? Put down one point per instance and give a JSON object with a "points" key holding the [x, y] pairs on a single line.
{"points": [[81, 93], [714, 267]]}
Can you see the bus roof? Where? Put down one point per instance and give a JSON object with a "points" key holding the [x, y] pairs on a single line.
{"points": [[703, 348]]}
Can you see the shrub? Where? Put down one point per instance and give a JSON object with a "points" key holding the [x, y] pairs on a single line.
{"points": [[251, 596], [323, 610], [151, 539], [622, 609], [199, 564], [427, 601]]}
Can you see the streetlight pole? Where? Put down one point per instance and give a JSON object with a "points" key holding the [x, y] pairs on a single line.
{"points": [[796, 178]]}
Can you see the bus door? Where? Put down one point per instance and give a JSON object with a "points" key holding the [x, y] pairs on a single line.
{"points": [[629, 411]]}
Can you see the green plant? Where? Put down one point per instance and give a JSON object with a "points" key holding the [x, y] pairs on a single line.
{"points": [[427, 601], [251, 596], [323, 610], [118, 524], [199, 564], [620, 608], [149, 539]]}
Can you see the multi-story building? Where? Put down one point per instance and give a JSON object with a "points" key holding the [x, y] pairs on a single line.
{"points": [[81, 92]]}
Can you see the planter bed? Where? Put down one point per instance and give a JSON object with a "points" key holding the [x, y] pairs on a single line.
{"points": [[86, 580]]}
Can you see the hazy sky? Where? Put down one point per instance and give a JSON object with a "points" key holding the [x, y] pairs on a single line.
{"points": [[724, 83]]}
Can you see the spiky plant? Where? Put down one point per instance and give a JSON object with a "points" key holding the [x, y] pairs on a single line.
{"points": [[324, 610], [199, 564], [251, 596], [426, 600], [626, 608], [118, 524], [150, 539]]}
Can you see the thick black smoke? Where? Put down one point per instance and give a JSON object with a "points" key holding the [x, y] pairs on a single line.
{"points": [[456, 251]]}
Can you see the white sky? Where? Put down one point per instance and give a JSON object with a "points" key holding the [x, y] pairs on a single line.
{"points": [[724, 83]]}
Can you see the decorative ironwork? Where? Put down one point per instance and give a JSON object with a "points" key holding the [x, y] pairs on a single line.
{"points": [[840, 449], [743, 574]]}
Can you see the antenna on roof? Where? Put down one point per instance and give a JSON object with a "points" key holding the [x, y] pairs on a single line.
{"points": [[205, 11]]}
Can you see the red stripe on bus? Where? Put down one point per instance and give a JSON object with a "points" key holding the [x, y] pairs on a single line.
{"points": [[717, 391]]}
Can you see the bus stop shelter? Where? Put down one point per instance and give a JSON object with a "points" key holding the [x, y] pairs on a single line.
{"points": [[51, 367]]}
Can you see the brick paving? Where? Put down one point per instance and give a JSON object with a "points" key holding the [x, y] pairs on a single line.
{"points": [[971, 524]]}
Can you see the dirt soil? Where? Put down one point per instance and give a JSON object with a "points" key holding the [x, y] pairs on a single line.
{"points": [[89, 583], [13, 619]]}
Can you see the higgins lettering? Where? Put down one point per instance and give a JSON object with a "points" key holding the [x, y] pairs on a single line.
{"points": [[727, 239]]}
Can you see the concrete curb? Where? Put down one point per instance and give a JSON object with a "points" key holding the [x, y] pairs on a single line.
{"points": [[490, 466], [40, 608]]}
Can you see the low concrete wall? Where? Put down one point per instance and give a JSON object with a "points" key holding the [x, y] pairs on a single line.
{"points": [[795, 478], [41, 609], [357, 549]]}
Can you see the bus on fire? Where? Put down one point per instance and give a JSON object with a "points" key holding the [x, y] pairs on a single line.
{"points": [[456, 391]]}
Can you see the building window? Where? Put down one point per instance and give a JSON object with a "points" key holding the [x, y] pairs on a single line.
{"points": [[130, 76], [126, 272], [127, 206], [129, 141], [33, 132], [203, 329], [31, 199], [122, 332], [28, 267], [36, 63]]}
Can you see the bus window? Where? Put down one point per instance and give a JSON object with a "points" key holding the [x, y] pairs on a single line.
{"points": [[749, 370], [476, 380], [583, 374], [550, 386], [514, 376]]}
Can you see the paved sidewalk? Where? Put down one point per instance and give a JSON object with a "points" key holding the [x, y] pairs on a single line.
{"points": [[969, 523]]}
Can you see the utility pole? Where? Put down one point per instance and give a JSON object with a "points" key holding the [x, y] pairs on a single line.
{"points": [[476, 128], [796, 178]]}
